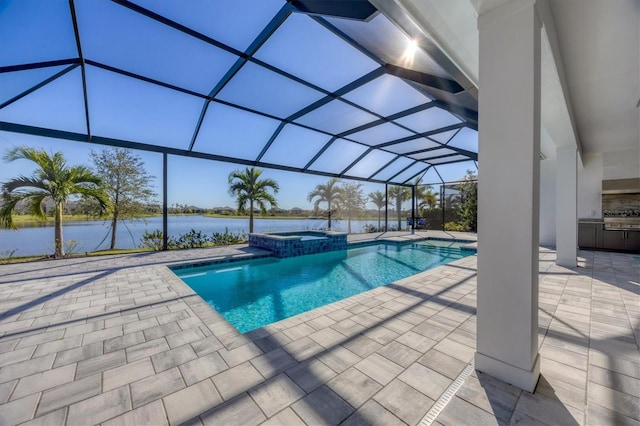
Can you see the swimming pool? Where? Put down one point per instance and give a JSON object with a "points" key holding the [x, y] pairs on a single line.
{"points": [[253, 293]]}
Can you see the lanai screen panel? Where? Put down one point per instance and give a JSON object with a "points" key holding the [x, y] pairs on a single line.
{"points": [[253, 82], [236, 25], [257, 88], [394, 168], [380, 134], [233, 132], [338, 156], [122, 38], [303, 142], [125, 108], [465, 139], [386, 95], [371, 163], [47, 37], [439, 153], [336, 117], [413, 145], [58, 105]]}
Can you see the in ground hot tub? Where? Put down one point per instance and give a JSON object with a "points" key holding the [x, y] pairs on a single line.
{"points": [[297, 243]]}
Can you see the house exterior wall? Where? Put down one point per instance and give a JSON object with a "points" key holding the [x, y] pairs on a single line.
{"points": [[590, 187]]}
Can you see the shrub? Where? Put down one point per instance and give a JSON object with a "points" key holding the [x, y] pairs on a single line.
{"points": [[192, 239], [455, 227], [371, 228], [7, 254], [71, 246], [227, 238], [152, 240]]}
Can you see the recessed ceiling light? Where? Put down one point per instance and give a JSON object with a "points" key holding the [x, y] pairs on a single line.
{"points": [[409, 53], [411, 48]]}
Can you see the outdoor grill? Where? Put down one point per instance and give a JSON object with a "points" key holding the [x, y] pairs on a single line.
{"points": [[622, 223]]}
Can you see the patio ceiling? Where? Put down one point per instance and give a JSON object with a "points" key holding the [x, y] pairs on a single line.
{"points": [[330, 88]]}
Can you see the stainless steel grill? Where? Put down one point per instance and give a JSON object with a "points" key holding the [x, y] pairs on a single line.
{"points": [[622, 223]]}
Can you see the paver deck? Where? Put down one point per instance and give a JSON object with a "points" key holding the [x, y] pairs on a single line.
{"points": [[121, 340]]}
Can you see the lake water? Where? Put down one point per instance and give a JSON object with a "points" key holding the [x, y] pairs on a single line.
{"points": [[90, 235]]}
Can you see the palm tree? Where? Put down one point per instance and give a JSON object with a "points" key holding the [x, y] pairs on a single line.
{"points": [[328, 193], [54, 180], [429, 198], [400, 194], [424, 195], [380, 201], [248, 188]]}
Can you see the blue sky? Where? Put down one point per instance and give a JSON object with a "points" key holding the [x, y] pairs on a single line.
{"points": [[125, 108]]}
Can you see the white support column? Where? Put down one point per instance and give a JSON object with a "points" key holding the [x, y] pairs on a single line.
{"points": [[509, 198], [567, 206]]}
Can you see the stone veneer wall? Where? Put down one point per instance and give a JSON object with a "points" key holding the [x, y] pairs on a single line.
{"points": [[293, 245], [621, 205]]}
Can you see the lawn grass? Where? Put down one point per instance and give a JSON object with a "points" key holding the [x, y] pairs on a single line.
{"points": [[26, 219], [23, 259]]}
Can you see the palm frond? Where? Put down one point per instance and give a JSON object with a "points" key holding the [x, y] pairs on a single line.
{"points": [[35, 200], [329, 193], [23, 182], [9, 203], [96, 193], [378, 198]]}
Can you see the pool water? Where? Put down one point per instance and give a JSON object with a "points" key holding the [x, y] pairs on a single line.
{"points": [[253, 293]]}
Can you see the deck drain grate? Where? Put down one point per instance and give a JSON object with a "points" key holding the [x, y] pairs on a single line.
{"points": [[447, 396]]}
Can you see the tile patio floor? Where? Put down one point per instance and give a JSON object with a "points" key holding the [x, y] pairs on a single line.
{"points": [[121, 340]]}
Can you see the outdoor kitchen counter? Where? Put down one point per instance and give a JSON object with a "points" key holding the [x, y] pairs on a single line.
{"points": [[592, 234]]}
